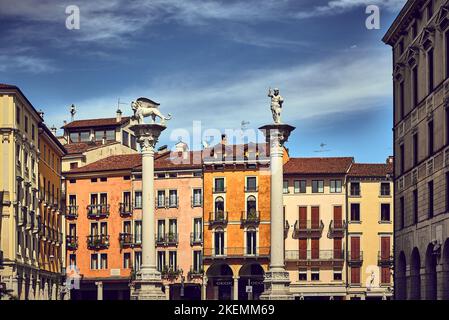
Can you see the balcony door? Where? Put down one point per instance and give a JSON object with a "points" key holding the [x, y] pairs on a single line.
{"points": [[338, 218], [315, 217]]}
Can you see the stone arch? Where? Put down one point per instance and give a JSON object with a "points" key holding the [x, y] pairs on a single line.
{"points": [[446, 270], [431, 274], [400, 277], [415, 275]]}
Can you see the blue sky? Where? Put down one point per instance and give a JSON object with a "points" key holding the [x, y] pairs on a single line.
{"points": [[212, 61]]}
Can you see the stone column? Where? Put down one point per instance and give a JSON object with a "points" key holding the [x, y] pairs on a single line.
{"points": [[204, 289], [99, 285], [148, 283], [277, 282], [235, 295]]}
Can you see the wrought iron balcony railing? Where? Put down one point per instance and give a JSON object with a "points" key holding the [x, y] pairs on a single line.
{"points": [[218, 217], [385, 259], [355, 258], [315, 257], [196, 239], [308, 229], [98, 242], [250, 217], [236, 252], [95, 211], [125, 209], [337, 229], [72, 211], [71, 242]]}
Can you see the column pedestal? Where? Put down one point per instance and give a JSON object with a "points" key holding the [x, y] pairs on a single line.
{"points": [[277, 280], [148, 282]]}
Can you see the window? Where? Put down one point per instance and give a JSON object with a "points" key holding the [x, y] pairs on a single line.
{"points": [[285, 187], [173, 198], [300, 186], [94, 261], [415, 86], [401, 159], [251, 184], [355, 189], [133, 142], [172, 260], [197, 264], [137, 260], [251, 242], [315, 274], [161, 198], [138, 199], [335, 186], [402, 212], [197, 197], [103, 261], [385, 212], [302, 275], [355, 212], [125, 138], [385, 189], [219, 242], [317, 186], [138, 231], [126, 260], [161, 260], [401, 100], [430, 199], [430, 71], [430, 133], [337, 275], [219, 185], [415, 207], [415, 149]]}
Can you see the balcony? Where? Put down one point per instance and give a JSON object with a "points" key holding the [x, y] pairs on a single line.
{"points": [[196, 239], [250, 217], [126, 240], [72, 211], [236, 252], [71, 242], [219, 190], [125, 209], [218, 218], [98, 242], [355, 258], [95, 211], [308, 229], [315, 258], [337, 229], [385, 259], [170, 272], [195, 272]]}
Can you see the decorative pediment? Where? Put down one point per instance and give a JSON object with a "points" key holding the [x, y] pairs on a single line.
{"points": [[412, 56], [398, 72], [427, 38], [442, 20]]}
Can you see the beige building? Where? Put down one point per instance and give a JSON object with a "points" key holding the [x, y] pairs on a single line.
{"points": [[19, 123], [419, 37], [314, 207], [369, 245]]}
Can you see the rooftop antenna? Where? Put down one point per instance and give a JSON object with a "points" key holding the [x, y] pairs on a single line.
{"points": [[72, 112], [322, 145]]}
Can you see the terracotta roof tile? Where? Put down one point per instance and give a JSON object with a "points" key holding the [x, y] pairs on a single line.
{"points": [[331, 165], [102, 122], [371, 169]]}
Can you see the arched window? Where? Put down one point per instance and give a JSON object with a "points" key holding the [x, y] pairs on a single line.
{"points": [[251, 241], [219, 242]]}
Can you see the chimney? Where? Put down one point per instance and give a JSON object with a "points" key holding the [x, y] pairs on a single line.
{"points": [[224, 139], [53, 130], [390, 160], [118, 116]]}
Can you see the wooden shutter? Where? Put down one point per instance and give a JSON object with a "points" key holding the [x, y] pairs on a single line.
{"points": [[338, 219], [315, 217]]}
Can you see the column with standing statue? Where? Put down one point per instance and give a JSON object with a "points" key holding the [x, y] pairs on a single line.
{"points": [[277, 280], [148, 282]]}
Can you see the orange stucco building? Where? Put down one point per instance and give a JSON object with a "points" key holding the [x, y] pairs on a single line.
{"points": [[236, 220]]}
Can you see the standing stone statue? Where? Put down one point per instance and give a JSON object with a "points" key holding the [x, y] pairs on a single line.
{"points": [[276, 104]]}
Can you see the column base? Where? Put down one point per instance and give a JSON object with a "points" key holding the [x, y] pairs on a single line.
{"points": [[277, 286], [148, 286]]}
